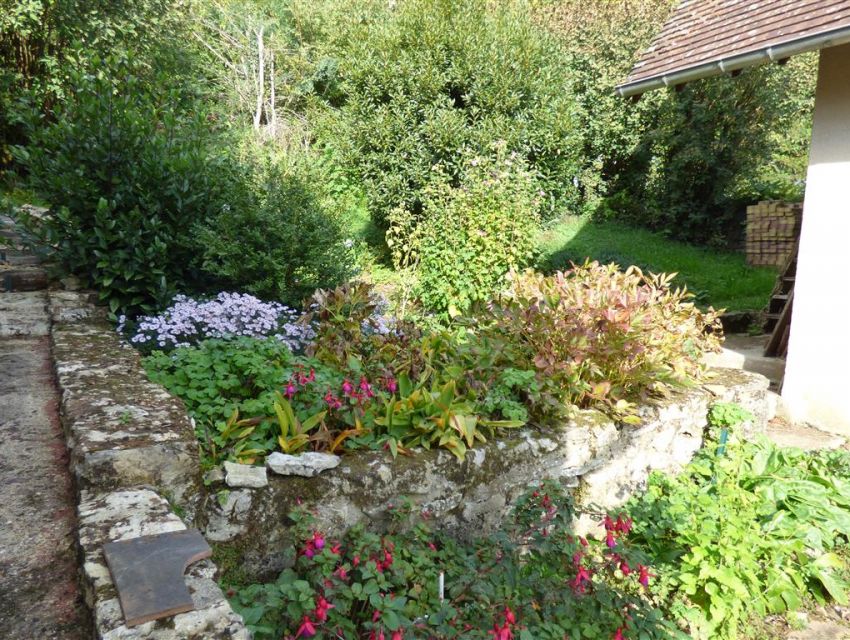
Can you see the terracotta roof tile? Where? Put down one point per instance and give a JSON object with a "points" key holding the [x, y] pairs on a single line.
{"points": [[705, 31]]}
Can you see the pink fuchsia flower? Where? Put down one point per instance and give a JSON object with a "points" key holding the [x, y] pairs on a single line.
{"points": [[510, 617], [290, 390], [322, 608], [618, 634], [501, 633], [609, 540], [644, 575], [341, 573], [398, 634], [318, 541], [366, 388], [332, 401], [306, 630], [582, 579], [391, 384], [625, 568], [347, 387], [624, 525]]}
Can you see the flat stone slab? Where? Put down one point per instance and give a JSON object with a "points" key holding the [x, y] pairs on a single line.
{"points": [[245, 475], [23, 315], [802, 436], [307, 465], [148, 572]]}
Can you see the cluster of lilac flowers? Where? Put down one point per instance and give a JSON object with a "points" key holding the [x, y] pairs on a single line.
{"points": [[228, 315]]}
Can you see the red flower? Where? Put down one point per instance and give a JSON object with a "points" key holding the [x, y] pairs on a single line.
{"points": [[609, 540], [644, 575], [347, 387], [625, 568], [398, 634], [290, 390], [322, 608], [510, 618], [582, 579], [618, 634], [501, 633], [390, 384], [307, 630]]}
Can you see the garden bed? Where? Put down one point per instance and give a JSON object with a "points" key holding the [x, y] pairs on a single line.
{"points": [[604, 461]]}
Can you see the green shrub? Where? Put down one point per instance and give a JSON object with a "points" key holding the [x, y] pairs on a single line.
{"points": [[127, 171], [420, 81], [283, 241], [475, 232], [600, 337]]}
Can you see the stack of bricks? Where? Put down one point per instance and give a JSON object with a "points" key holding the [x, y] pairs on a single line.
{"points": [[773, 228]]}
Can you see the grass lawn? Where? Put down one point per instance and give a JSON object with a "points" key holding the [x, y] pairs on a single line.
{"points": [[718, 278]]}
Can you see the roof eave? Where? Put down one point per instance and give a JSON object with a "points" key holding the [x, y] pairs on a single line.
{"points": [[735, 63]]}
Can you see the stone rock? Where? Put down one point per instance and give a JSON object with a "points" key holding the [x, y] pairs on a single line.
{"points": [[308, 464], [214, 476], [22, 315], [245, 475]]}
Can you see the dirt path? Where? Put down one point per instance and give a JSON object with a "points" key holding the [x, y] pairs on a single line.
{"points": [[39, 594]]}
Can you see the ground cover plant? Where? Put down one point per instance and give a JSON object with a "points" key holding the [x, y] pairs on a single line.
{"points": [[347, 375], [748, 529], [536, 580]]}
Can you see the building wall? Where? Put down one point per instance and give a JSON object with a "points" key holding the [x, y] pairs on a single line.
{"points": [[817, 376]]}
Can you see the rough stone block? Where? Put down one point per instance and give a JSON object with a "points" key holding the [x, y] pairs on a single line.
{"points": [[122, 429], [245, 475]]}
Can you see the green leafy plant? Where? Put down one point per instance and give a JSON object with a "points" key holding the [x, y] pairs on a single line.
{"points": [[294, 434], [434, 416], [476, 231], [747, 530], [284, 239], [237, 440], [127, 168]]}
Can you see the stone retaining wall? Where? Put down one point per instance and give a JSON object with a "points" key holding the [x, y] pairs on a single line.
{"points": [[604, 461], [131, 446]]}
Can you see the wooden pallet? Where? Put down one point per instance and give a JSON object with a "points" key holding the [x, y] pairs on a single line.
{"points": [[780, 307]]}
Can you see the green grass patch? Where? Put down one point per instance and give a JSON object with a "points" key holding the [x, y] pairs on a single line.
{"points": [[718, 278]]}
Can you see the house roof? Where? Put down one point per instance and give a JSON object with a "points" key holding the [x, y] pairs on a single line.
{"points": [[710, 37]]}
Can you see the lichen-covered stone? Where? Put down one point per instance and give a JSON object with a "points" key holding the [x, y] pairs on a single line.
{"points": [[122, 429], [307, 464], [122, 515], [245, 475]]}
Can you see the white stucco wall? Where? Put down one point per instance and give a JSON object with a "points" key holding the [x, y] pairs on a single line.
{"points": [[817, 375]]}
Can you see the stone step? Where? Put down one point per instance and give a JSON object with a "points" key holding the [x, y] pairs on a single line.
{"points": [[19, 258], [23, 278]]}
